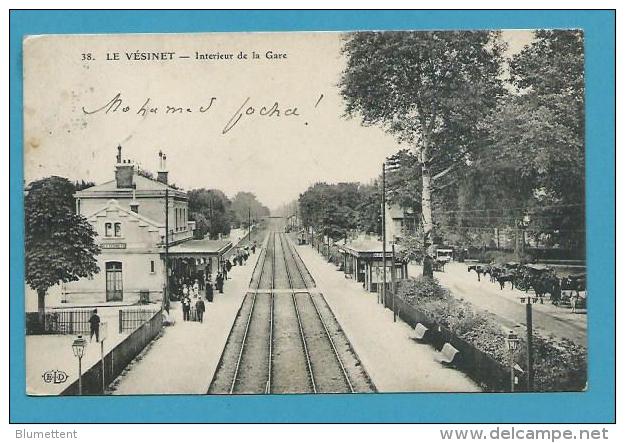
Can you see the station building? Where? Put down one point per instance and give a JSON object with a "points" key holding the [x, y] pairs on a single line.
{"points": [[363, 261], [130, 215]]}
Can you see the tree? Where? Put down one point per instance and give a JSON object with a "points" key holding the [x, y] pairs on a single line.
{"points": [[431, 90], [214, 208], [542, 127], [245, 205], [60, 244], [369, 214], [335, 209]]}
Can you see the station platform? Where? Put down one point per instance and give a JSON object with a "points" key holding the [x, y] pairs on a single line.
{"points": [[183, 360], [394, 361]]}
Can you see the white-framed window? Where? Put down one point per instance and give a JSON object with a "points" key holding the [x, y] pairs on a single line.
{"points": [[108, 229], [118, 229], [152, 267]]}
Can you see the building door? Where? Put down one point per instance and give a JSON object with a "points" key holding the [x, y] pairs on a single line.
{"points": [[114, 286]]}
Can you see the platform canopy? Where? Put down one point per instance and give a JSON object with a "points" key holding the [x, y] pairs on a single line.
{"points": [[365, 247], [200, 248]]}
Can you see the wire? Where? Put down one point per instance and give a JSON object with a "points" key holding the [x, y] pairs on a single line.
{"points": [[503, 228], [509, 209]]}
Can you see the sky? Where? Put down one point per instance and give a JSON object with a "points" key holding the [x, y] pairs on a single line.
{"points": [[85, 95]]}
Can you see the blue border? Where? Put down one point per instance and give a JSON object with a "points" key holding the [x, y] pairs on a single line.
{"points": [[595, 406]]}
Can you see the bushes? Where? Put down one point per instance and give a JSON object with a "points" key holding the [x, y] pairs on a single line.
{"points": [[559, 364]]}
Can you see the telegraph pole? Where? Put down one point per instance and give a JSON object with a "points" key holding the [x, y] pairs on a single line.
{"points": [[384, 234], [166, 295], [249, 224], [393, 282]]}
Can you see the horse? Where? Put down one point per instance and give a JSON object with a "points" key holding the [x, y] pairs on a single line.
{"points": [[479, 270], [503, 278]]}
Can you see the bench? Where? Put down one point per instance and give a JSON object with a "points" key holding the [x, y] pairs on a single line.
{"points": [[447, 355], [420, 331]]}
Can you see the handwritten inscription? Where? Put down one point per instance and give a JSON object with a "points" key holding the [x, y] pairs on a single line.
{"points": [[149, 107]]}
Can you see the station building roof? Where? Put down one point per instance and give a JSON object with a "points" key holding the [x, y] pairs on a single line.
{"points": [[201, 247], [364, 246], [143, 185]]}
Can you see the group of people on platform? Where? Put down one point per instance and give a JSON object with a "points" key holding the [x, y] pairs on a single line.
{"points": [[193, 306]]}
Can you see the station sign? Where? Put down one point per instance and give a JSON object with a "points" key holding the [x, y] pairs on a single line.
{"points": [[113, 245]]}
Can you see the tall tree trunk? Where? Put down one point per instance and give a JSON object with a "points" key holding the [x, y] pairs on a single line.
{"points": [[41, 307], [428, 224]]}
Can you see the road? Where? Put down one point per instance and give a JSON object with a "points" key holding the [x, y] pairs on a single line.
{"points": [[505, 304]]}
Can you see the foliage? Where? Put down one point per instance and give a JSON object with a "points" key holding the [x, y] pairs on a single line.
{"points": [[245, 205], [411, 247], [82, 184], [559, 364], [532, 160], [335, 209], [145, 173], [210, 208], [59, 244], [433, 96]]}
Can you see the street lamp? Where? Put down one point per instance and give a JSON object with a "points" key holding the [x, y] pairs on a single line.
{"points": [[530, 348], [78, 346], [512, 343]]}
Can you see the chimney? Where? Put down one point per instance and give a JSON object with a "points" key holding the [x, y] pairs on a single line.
{"points": [[162, 168], [134, 204], [124, 171]]}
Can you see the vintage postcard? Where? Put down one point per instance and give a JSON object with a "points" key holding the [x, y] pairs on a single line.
{"points": [[305, 212]]}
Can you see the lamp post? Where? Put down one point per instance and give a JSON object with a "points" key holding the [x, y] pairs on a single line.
{"points": [[530, 348], [512, 343], [78, 347]]}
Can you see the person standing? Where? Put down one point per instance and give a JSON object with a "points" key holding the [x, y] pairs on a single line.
{"points": [[225, 273], [186, 307], [209, 291], [199, 309], [196, 289], [201, 280], [94, 326], [220, 283]]}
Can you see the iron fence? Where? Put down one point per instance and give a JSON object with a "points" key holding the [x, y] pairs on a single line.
{"points": [[131, 319], [116, 360], [65, 321]]}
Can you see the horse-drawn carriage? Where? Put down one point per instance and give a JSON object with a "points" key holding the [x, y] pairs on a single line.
{"points": [[443, 256], [439, 264], [573, 291]]}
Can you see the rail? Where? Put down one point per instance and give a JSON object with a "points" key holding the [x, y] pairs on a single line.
{"points": [[323, 323], [270, 357], [299, 321], [247, 326]]}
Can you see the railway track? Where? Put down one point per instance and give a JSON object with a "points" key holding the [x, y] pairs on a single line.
{"points": [[285, 339]]}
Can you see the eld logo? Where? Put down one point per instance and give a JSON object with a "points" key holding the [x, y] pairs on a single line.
{"points": [[54, 376]]}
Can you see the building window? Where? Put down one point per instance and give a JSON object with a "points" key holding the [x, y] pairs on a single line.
{"points": [[152, 266], [108, 227], [118, 229]]}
